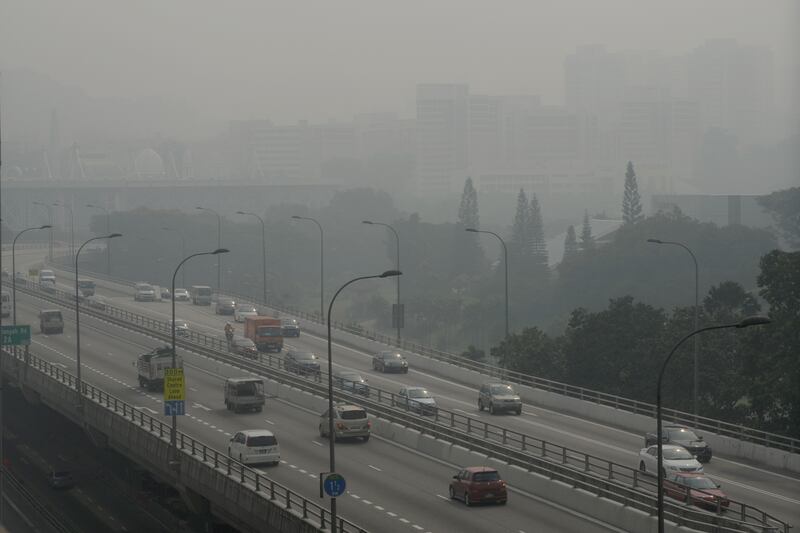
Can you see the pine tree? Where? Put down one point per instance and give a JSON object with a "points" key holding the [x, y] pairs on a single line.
{"points": [[468, 210], [587, 241], [536, 235], [631, 201], [520, 233], [571, 244]]}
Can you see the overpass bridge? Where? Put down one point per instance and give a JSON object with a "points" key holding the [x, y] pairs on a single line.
{"points": [[424, 439]]}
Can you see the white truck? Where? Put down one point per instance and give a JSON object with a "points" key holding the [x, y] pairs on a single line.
{"points": [[244, 394], [151, 366]]}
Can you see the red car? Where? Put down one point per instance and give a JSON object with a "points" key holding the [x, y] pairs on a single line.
{"points": [[477, 484], [703, 491]]}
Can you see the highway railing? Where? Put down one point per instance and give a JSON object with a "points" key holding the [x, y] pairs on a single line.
{"points": [[720, 427], [192, 448], [602, 477]]}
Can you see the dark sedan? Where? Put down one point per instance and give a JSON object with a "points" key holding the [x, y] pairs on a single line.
{"points": [[682, 436], [303, 363], [351, 381]]}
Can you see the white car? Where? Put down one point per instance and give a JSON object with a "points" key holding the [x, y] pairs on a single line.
{"points": [[182, 295], [181, 327], [252, 446], [244, 311], [144, 292], [675, 458]]}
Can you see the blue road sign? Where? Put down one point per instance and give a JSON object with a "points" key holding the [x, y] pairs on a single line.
{"points": [[175, 407], [334, 485]]}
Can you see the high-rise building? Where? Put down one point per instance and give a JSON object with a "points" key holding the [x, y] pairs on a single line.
{"points": [[733, 85]]}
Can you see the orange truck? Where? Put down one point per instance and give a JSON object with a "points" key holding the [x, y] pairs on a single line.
{"points": [[265, 332]]}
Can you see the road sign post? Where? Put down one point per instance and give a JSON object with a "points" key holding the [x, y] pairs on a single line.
{"points": [[174, 392], [15, 335]]}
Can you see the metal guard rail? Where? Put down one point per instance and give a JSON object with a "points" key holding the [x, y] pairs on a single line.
{"points": [[193, 449], [511, 446], [737, 431]]}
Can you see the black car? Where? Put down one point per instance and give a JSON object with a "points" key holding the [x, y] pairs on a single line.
{"points": [[389, 361], [351, 381], [303, 363], [290, 327], [682, 436]]}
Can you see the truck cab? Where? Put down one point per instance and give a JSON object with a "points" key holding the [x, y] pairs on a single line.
{"points": [[86, 286], [151, 367], [244, 394], [51, 321], [265, 332]]}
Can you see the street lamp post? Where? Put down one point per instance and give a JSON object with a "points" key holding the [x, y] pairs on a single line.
{"points": [[183, 251], [331, 434], [695, 378], [14, 270], [321, 266], [50, 222], [505, 263], [397, 267], [173, 434], [71, 226], [219, 244], [108, 230], [78, 315], [263, 249], [744, 323]]}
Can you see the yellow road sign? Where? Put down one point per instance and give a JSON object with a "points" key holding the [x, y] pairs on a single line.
{"points": [[174, 384]]}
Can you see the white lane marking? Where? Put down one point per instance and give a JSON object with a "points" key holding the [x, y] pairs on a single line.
{"points": [[404, 520], [367, 502], [375, 468], [765, 492], [200, 406], [443, 497], [356, 496], [142, 408], [269, 422], [391, 514], [415, 526], [193, 389], [317, 442], [379, 508]]}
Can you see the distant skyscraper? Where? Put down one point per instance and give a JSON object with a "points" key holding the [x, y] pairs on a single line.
{"points": [[733, 85], [442, 142]]}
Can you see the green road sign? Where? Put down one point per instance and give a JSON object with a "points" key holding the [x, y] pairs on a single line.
{"points": [[15, 335]]}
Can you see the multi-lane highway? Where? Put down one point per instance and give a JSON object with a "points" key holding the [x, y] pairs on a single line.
{"points": [[418, 485]]}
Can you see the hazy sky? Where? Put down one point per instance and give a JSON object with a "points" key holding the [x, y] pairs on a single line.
{"points": [[321, 60]]}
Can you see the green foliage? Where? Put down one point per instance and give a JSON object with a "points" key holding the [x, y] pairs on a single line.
{"points": [[631, 200], [473, 353], [539, 257], [468, 215], [520, 245], [785, 208], [587, 240], [570, 245], [533, 352]]}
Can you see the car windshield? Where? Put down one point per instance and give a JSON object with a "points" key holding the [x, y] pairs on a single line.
{"points": [[502, 389], [351, 376], [249, 388], [682, 434], [676, 454], [702, 483], [290, 322], [418, 393], [181, 324], [392, 356], [247, 309], [353, 414], [486, 476], [305, 356], [261, 440], [144, 287]]}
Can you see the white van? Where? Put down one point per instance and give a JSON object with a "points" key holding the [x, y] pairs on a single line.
{"points": [[252, 446], [47, 276], [5, 303]]}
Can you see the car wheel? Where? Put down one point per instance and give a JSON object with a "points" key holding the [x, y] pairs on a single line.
{"points": [[366, 438], [503, 502], [467, 502], [452, 494], [491, 408], [321, 432], [519, 411], [480, 404], [642, 467], [405, 371]]}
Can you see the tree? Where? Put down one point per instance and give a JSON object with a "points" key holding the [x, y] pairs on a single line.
{"points": [[631, 201], [539, 257], [785, 209], [520, 231], [532, 352], [468, 210], [570, 245], [587, 241], [729, 301]]}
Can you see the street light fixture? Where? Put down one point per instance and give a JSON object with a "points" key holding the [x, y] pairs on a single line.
{"points": [[321, 266], [183, 250], [398, 316], [219, 244], [695, 378], [78, 315], [263, 249], [331, 434], [173, 434], [108, 230], [71, 226], [744, 323], [14, 269], [50, 222], [505, 263]]}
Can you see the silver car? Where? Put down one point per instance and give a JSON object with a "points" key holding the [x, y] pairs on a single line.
{"points": [[497, 397], [388, 361], [416, 399], [348, 421]]}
